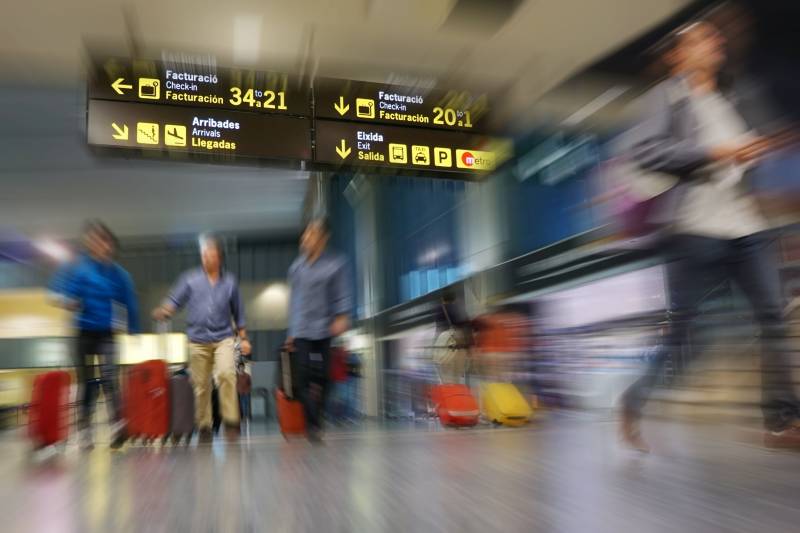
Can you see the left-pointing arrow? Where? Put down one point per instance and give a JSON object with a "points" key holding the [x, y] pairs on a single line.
{"points": [[120, 84], [343, 150], [122, 133]]}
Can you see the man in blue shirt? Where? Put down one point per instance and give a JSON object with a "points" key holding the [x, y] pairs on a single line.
{"points": [[92, 287], [319, 310], [213, 305]]}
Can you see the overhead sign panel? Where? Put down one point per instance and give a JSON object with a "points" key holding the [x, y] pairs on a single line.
{"points": [[205, 131], [404, 106], [153, 82], [346, 143]]}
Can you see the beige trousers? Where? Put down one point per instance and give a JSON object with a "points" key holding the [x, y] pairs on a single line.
{"points": [[215, 359]]}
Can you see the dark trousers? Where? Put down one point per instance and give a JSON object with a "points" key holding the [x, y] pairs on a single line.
{"points": [[216, 414], [312, 358], [697, 265], [92, 377], [244, 406]]}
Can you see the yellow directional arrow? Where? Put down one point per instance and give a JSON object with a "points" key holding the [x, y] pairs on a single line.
{"points": [[119, 85], [341, 107], [343, 150], [122, 133]]}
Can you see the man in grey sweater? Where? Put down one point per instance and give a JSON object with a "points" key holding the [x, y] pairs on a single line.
{"points": [[690, 130]]}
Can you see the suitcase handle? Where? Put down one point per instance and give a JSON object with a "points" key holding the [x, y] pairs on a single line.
{"points": [[286, 373]]}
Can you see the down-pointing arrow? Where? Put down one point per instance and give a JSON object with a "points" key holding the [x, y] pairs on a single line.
{"points": [[343, 150]]}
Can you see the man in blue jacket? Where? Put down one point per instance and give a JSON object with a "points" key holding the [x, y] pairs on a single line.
{"points": [[95, 286]]}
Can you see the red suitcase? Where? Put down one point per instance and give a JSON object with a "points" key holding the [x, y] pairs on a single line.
{"points": [[48, 418], [455, 405], [291, 418], [147, 400]]}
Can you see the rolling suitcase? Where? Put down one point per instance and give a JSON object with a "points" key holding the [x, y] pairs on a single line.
{"points": [[147, 401], [291, 418], [504, 404], [181, 408], [48, 419], [455, 405]]}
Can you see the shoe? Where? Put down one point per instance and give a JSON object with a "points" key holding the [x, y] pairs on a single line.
{"points": [[786, 439], [86, 439], [631, 433], [205, 436], [232, 432], [120, 432]]}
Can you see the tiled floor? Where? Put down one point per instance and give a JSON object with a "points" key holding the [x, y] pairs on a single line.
{"points": [[563, 475]]}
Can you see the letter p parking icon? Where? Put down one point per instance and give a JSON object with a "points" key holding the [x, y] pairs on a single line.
{"points": [[442, 157]]}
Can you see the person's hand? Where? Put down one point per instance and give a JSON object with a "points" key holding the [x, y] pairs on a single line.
{"points": [[288, 344], [724, 152], [755, 149], [161, 313], [741, 152], [245, 347], [339, 325], [71, 305]]}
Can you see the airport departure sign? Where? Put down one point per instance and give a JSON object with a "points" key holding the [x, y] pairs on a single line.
{"points": [[399, 105], [203, 131], [352, 144], [203, 109], [156, 82]]}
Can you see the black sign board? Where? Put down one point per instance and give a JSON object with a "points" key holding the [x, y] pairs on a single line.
{"points": [[403, 106], [347, 143], [205, 131], [156, 82], [422, 311]]}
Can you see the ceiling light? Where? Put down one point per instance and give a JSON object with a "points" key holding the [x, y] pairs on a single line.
{"points": [[246, 39], [53, 249]]}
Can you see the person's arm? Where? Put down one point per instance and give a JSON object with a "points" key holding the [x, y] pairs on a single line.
{"points": [[64, 289], [652, 143], [178, 296], [130, 301], [342, 301], [237, 312]]}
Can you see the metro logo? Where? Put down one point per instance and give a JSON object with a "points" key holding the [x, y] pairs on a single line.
{"points": [[475, 159]]}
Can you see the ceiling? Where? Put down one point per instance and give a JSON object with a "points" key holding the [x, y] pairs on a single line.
{"points": [[51, 181]]}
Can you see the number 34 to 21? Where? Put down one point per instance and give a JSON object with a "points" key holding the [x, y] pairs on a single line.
{"points": [[252, 97]]}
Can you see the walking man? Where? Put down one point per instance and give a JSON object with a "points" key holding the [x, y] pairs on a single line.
{"points": [[690, 130], [93, 286], [211, 297], [319, 311]]}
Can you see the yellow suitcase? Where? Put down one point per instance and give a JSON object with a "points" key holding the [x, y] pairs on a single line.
{"points": [[503, 403]]}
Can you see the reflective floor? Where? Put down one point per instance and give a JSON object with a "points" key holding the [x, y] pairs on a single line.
{"points": [[563, 475]]}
